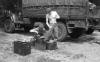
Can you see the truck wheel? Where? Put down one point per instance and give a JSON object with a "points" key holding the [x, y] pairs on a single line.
{"points": [[62, 31], [89, 31], [76, 33], [9, 26]]}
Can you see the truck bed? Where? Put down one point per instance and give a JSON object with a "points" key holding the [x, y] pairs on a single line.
{"points": [[37, 8], [65, 8], [64, 11], [52, 2]]}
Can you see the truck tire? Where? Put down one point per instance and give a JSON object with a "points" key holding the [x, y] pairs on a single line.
{"points": [[77, 32], [62, 31], [9, 26], [89, 31]]}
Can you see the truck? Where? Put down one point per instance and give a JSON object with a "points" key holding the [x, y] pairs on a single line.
{"points": [[74, 16]]}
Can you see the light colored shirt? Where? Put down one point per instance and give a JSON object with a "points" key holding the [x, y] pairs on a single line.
{"points": [[52, 16]]}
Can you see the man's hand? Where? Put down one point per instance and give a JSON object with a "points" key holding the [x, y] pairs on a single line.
{"points": [[34, 30], [50, 27]]}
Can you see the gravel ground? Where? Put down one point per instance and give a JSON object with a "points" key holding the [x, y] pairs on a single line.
{"points": [[84, 49]]}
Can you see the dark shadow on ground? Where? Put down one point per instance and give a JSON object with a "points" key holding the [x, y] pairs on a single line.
{"points": [[82, 39], [2, 33]]}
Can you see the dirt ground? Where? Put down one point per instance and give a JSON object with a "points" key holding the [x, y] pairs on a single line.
{"points": [[84, 49]]}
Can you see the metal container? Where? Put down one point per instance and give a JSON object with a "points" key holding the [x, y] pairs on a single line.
{"points": [[22, 48]]}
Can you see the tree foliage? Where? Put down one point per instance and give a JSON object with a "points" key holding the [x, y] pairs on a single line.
{"points": [[8, 4]]}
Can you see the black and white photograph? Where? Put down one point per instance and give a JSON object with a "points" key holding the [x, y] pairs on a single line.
{"points": [[49, 30]]}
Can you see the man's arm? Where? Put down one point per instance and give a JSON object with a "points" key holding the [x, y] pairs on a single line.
{"points": [[47, 16], [57, 15]]}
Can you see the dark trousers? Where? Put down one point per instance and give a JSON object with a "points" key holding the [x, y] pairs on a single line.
{"points": [[52, 33]]}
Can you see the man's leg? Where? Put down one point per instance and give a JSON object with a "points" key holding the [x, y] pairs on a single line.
{"points": [[55, 31], [47, 36]]}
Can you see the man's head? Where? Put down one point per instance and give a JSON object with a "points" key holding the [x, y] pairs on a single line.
{"points": [[48, 10], [92, 5]]}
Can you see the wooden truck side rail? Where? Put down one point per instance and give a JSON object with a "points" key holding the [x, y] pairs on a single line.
{"points": [[66, 10]]}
